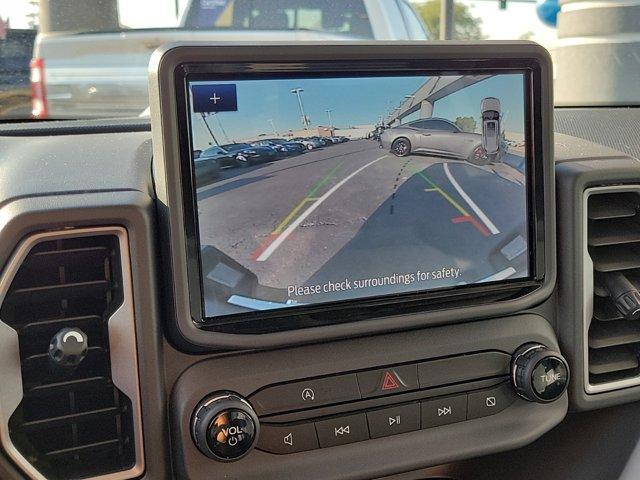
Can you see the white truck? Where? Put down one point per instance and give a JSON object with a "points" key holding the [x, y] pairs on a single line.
{"points": [[104, 73]]}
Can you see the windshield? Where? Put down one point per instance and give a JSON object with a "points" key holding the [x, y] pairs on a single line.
{"points": [[88, 59]]}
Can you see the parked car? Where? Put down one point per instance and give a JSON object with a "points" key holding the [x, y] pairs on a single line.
{"points": [[246, 154], [281, 146], [279, 149], [327, 141], [207, 169], [323, 142], [223, 157], [490, 108], [437, 137], [101, 70], [310, 142], [290, 143]]}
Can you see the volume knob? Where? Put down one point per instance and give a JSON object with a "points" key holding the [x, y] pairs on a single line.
{"points": [[224, 426], [538, 373]]}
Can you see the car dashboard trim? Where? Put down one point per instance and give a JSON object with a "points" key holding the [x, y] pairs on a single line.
{"points": [[588, 292], [123, 353]]}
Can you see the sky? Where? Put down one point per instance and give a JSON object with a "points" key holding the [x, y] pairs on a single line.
{"points": [[352, 101]]}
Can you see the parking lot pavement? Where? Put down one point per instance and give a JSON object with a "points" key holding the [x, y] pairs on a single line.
{"points": [[354, 209]]}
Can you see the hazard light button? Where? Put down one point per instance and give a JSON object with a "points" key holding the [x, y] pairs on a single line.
{"points": [[387, 381]]}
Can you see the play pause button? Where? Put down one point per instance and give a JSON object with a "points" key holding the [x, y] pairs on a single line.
{"points": [[394, 420]]}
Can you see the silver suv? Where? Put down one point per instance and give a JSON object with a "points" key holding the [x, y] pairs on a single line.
{"points": [[103, 72]]}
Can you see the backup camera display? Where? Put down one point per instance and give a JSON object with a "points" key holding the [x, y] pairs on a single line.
{"points": [[314, 190]]}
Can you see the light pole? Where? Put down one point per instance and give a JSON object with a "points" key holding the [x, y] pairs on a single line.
{"points": [[329, 115], [305, 120], [221, 127], [204, 119], [446, 19], [273, 125]]}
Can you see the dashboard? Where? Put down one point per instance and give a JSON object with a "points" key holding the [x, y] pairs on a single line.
{"points": [[348, 304]]}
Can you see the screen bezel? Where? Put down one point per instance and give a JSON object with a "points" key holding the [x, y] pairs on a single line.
{"points": [[368, 307]]}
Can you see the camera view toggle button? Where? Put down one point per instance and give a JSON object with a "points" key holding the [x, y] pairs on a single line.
{"points": [[306, 394], [490, 401]]}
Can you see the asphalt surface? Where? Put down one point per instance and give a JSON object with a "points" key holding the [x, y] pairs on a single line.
{"points": [[354, 220]]}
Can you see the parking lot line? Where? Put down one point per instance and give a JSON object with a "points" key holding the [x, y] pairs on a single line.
{"points": [[283, 236], [481, 215]]}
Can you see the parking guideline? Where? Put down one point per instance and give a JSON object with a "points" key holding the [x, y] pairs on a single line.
{"points": [[309, 197], [436, 188], [275, 240], [465, 216]]}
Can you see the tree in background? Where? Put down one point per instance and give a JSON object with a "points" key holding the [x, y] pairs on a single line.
{"points": [[466, 124], [34, 14], [465, 25]]}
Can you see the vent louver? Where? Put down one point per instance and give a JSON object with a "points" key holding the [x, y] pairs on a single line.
{"points": [[71, 423], [613, 240]]}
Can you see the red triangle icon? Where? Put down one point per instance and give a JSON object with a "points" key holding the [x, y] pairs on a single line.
{"points": [[390, 381]]}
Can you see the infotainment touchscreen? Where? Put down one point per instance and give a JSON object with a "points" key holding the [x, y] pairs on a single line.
{"points": [[315, 189]]}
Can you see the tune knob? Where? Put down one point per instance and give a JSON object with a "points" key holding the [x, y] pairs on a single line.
{"points": [[538, 373], [224, 426]]}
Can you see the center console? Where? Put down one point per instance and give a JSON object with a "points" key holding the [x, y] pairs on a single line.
{"points": [[378, 401], [360, 238]]}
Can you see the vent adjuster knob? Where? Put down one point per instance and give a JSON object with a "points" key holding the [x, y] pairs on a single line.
{"points": [[624, 294], [68, 347]]}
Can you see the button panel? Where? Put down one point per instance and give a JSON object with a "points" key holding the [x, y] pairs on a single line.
{"points": [[379, 382], [383, 422], [411, 411]]}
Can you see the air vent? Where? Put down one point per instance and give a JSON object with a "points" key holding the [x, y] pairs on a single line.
{"points": [[72, 422], [613, 243]]}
